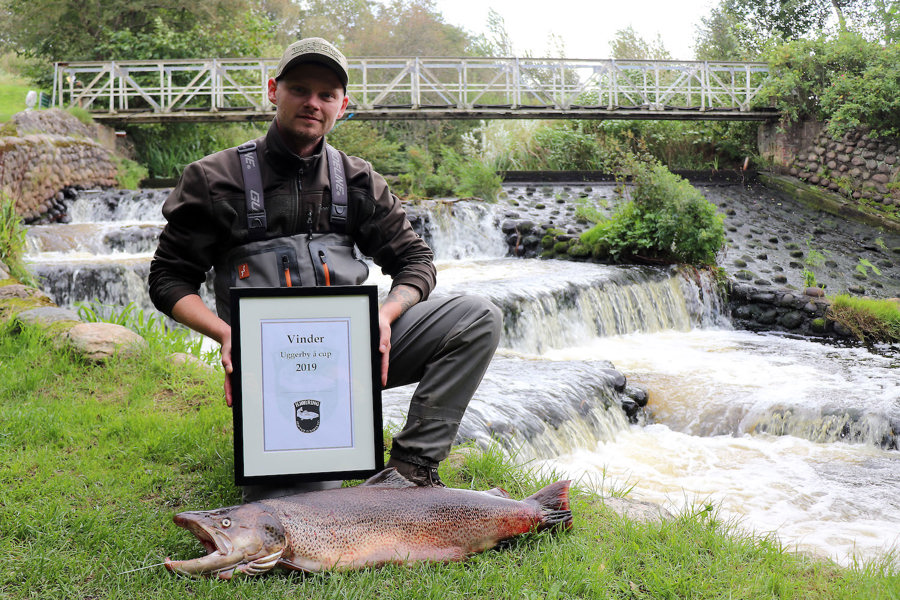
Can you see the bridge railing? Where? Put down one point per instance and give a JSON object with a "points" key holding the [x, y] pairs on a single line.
{"points": [[182, 87]]}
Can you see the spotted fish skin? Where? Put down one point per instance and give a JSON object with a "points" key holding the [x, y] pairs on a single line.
{"points": [[388, 520]]}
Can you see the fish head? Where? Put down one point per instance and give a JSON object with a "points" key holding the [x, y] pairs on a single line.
{"points": [[245, 538]]}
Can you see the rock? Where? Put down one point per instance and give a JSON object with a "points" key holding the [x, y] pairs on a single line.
{"points": [[814, 292], [182, 358], [45, 316], [637, 510], [638, 393], [791, 320], [102, 341], [17, 290], [616, 378]]}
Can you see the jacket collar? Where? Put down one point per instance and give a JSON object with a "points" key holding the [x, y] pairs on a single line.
{"points": [[283, 158]]}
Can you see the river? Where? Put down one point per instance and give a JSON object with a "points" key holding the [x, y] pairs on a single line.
{"points": [[786, 436]]}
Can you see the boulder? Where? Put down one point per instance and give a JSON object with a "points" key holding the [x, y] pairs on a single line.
{"points": [[101, 341]]}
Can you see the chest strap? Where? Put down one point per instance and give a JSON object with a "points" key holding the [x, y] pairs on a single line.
{"points": [[253, 190]]}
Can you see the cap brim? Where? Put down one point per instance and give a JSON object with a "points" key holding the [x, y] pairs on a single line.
{"points": [[318, 59]]}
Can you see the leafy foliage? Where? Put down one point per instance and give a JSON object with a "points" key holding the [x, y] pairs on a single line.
{"points": [[845, 80], [361, 138], [629, 44], [166, 149], [666, 220], [474, 177], [12, 241]]}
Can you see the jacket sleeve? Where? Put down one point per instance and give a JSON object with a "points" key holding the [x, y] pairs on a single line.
{"points": [[385, 234], [187, 243]]}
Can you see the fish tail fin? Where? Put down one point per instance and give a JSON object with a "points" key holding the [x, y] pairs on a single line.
{"points": [[553, 502]]}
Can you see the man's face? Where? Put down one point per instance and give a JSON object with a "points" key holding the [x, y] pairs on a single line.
{"points": [[309, 99]]}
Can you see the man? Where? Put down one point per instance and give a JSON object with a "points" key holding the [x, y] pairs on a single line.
{"points": [[444, 344]]}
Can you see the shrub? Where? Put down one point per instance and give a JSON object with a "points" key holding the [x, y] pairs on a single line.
{"points": [[129, 174], [166, 149], [12, 241], [846, 80], [474, 177], [666, 220], [419, 179]]}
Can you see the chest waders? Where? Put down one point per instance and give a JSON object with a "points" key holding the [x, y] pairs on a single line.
{"points": [[304, 259]]}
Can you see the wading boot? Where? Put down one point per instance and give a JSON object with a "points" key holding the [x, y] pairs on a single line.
{"points": [[420, 475]]}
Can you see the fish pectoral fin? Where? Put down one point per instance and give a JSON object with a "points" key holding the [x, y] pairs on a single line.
{"points": [[261, 565], [288, 564], [388, 478]]}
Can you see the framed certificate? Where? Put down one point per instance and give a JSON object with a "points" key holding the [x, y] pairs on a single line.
{"points": [[306, 385]]}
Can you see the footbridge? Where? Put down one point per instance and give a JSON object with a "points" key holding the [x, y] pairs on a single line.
{"points": [[424, 88]]}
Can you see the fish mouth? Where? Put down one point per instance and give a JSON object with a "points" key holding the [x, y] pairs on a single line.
{"points": [[221, 558]]}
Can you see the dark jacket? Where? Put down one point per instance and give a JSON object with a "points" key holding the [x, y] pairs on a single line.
{"points": [[206, 217]]}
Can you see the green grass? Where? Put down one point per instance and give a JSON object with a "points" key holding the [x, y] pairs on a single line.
{"points": [[95, 460], [870, 319], [12, 94]]}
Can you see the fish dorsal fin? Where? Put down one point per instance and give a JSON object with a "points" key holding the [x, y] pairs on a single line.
{"points": [[499, 492], [389, 478]]}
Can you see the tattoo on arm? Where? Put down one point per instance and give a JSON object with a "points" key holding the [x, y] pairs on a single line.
{"points": [[405, 296]]}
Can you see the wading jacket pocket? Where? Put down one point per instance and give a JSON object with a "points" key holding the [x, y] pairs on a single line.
{"points": [[296, 261]]}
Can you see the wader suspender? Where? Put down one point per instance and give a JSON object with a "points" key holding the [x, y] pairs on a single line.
{"points": [[253, 191]]}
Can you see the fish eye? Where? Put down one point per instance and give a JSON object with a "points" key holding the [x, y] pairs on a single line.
{"points": [[226, 522]]}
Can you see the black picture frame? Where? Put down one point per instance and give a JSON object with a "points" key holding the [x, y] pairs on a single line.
{"points": [[311, 354]]}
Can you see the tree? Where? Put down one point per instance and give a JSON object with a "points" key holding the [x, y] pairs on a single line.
{"points": [[58, 30], [628, 44], [718, 39], [785, 20]]}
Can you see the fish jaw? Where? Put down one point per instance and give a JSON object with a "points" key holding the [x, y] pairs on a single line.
{"points": [[245, 539]]}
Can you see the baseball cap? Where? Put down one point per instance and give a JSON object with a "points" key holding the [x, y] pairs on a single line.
{"points": [[314, 50]]}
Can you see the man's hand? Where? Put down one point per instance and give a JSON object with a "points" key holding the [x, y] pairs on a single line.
{"points": [[397, 302], [226, 364]]}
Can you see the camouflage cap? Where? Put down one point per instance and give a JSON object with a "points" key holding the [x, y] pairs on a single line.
{"points": [[314, 50]]}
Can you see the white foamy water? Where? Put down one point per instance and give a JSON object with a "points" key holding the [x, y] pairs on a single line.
{"points": [[710, 392]]}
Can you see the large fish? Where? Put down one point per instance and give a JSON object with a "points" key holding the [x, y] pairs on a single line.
{"points": [[387, 519]]}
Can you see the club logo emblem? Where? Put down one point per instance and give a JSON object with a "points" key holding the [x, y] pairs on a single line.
{"points": [[307, 413]]}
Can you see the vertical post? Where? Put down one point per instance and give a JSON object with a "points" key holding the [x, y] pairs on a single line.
{"points": [[414, 83], [112, 86]]}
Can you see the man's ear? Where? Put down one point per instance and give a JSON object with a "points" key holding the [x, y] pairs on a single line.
{"points": [[343, 105], [271, 91]]}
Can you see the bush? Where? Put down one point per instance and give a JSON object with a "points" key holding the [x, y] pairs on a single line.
{"points": [[473, 177], [846, 80], [166, 149], [12, 241], [361, 138], [129, 174], [419, 179], [666, 220]]}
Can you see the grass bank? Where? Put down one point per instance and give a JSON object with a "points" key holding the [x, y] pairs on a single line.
{"points": [[12, 94], [95, 460]]}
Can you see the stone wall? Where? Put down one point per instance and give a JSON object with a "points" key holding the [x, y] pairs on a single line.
{"points": [[769, 309], [44, 153], [857, 166]]}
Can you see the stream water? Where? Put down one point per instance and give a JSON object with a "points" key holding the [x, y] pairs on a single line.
{"points": [[787, 436]]}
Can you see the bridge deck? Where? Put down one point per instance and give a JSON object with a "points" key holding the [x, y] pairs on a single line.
{"points": [[425, 88]]}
